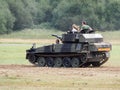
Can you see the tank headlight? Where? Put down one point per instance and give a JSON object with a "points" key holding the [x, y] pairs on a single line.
{"points": [[103, 49]]}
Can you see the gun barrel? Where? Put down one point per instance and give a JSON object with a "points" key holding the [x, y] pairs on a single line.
{"points": [[59, 37]]}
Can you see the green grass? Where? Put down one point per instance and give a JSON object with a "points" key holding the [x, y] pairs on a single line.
{"points": [[15, 54], [114, 56], [111, 35], [32, 34], [46, 34]]}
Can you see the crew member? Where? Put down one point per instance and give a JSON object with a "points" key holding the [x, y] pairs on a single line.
{"points": [[85, 28], [75, 28]]}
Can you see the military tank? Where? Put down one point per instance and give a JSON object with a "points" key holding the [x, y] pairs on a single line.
{"points": [[71, 50]]}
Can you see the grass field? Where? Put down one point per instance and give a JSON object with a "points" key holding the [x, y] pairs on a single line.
{"points": [[15, 54], [16, 73]]}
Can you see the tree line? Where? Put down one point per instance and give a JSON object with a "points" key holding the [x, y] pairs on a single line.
{"points": [[60, 14]]}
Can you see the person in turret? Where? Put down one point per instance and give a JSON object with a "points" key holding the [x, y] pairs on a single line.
{"points": [[75, 28], [85, 28]]}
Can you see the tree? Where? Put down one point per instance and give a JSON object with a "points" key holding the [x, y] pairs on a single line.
{"points": [[22, 15], [112, 14], [73, 12], [6, 18], [60, 14]]}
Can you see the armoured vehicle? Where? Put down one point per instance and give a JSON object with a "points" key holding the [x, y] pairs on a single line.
{"points": [[71, 50]]}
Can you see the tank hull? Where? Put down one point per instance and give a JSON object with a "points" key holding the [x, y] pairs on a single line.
{"points": [[70, 55]]}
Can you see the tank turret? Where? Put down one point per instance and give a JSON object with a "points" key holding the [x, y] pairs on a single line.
{"points": [[75, 50], [81, 38]]}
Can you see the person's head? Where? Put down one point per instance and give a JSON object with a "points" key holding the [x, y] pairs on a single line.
{"points": [[75, 27], [83, 22]]}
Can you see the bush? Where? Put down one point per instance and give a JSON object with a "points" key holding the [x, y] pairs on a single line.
{"points": [[45, 25]]}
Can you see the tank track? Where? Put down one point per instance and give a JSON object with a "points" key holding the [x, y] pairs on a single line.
{"points": [[64, 60]]}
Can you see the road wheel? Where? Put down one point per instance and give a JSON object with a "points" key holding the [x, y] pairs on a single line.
{"points": [[57, 62], [41, 61], [32, 59], [66, 62], [49, 62], [75, 62], [83, 58]]}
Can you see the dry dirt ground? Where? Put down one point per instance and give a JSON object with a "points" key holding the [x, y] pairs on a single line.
{"points": [[31, 70], [20, 77]]}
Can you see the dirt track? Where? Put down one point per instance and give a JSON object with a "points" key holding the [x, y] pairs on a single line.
{"points": [[30, 70], [22, 77]]}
